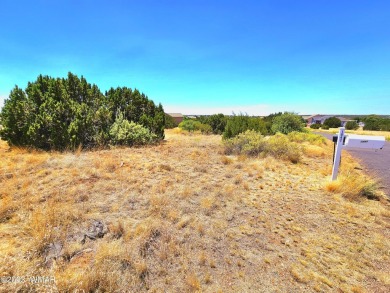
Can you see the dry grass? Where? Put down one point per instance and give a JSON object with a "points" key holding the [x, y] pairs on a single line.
{"points": [[182, 217], [352, 183]]}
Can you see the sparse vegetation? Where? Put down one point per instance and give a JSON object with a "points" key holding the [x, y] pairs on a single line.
{"points": [[354, 185], [182, 216], [288, 147], [307, 138]]}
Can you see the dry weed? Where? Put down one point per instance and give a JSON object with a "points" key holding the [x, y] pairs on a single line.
{"points": [[182, 217]]}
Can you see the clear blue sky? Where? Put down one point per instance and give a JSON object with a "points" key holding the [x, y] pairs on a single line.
{"points": [[309, 56]]}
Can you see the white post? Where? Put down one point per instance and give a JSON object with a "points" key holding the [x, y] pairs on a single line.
{"points": [[337, 155]]}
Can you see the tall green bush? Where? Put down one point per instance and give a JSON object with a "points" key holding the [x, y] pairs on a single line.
{"points": [[63, 113], [287, 122], [216, 121], [193, 125], [332, 122], [351, 125], [189, 125], [237, 124], [371, 122], [124, 132]]}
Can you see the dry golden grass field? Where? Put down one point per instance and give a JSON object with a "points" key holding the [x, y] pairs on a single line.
{"points": [[182, 216]]}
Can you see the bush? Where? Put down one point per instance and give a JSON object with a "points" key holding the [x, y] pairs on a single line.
{"points": [[252, 143], [189, 125], [58, 114], [309, 137], [332, 122], [205, 128], [353, 186], [216, 121], [351, 125], [372, 122], [286, 123], [279, 146], [324, 126], [240, 123], [315, 126], [193, 125], [123, 132]]}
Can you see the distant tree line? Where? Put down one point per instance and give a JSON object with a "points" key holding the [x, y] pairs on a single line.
{"points": [[64, 113], [231, 126], [374, 122]]}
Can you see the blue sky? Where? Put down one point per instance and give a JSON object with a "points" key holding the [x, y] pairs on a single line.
{"points": [[201, 57]]}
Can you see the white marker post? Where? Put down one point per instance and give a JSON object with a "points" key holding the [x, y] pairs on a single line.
{"points": [[337, 156]]}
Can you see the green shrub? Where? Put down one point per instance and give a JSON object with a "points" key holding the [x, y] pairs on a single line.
{"points": [[205, 128], [315, 126], [324, 126], [63, 113], [193, 125], [332, 122], [385, 127], [249, 142], [237, 124], [374, 122], [287, 122], [279, 146], [216, 121], [351, 125], [189, 125], [252, 143], [123, 132]]}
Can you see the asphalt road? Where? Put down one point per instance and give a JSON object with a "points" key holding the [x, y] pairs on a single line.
{"points": [[374, 162]]}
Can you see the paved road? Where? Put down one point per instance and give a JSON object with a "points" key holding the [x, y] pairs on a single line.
{"points": [[374, 162]]}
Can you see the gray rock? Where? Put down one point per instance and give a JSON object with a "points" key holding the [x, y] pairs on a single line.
{"points": [[97, 230], [53, 251]]}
